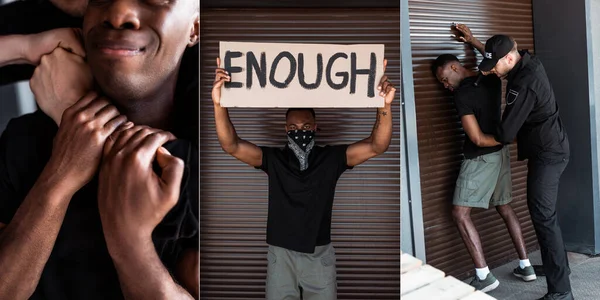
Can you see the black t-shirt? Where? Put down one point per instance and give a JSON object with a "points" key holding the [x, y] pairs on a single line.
{"points": [[531, 114], [80, 266], [301, 202], [484, 102]]}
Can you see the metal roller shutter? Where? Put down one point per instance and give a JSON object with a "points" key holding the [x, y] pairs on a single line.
{"points": [[440, 133], [366, 217]]}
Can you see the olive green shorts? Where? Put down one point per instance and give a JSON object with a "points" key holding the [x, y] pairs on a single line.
{"points": [[484, 180]]}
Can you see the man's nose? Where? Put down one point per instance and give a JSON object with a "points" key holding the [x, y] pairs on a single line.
{"points": [[122, 14]]}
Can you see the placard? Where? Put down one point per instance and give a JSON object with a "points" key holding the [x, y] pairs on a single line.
{"points": [[301, 75]]}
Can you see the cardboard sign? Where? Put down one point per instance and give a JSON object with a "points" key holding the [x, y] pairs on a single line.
{"points": [[301, 75]]}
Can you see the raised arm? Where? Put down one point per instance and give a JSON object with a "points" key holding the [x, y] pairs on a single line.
{"points": [[228, 138], [468, 38], [381, 136]]}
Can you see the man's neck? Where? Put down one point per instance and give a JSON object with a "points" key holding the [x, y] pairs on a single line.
{"points": [[154, 110]]}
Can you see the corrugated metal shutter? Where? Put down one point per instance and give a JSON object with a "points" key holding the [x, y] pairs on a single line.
{"points": [[440, 133], [366, 217]]}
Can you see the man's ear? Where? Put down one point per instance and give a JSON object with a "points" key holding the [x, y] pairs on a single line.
{"points": [[195, 32], [454, 67]]}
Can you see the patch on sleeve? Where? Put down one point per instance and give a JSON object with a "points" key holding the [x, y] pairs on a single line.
{"points": [[511, 97]]}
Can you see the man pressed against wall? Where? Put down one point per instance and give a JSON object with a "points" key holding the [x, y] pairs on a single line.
{"points": [[302, 181], [96, 208], [484, 176], [532, 116]]}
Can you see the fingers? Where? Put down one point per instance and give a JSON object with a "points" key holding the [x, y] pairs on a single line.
{"points": [[76, 46], [147, 147], [116, 127], [107, 113], [383, 83], [385, 86], [84, 101], [95, 106], [384, 65], [118, 123], [221, 77], [121, 137], [139, 136], [218, 62], [172, 170]]}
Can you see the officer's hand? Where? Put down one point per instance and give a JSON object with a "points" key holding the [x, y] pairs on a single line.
{"points": [[220, 78], [467, 36], [132, 198], [59, 81], [46, 42], [385, 87]]}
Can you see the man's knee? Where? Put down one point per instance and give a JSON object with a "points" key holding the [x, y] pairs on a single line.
{"points": [[461, 214], [504, 210]]}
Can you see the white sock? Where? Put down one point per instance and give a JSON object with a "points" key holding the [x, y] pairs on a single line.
{"points": [[523, 263], [482, 273]]}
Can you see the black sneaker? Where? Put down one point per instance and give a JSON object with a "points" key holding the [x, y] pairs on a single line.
{"points": [[558, 296], [488, 284], [527, 274]]}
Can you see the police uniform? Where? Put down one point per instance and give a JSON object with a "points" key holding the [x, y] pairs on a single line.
{"points": [[531, 115]]}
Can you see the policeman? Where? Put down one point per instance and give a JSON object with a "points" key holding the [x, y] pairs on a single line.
{"points": [[531, 115]]}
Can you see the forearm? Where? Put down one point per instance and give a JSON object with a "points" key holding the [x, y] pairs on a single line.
{"points": [[226, 133], [141, 273], [27, 241], [381, 135], [478, 45], [13, 50]]}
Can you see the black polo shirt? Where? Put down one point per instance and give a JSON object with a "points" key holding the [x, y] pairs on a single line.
{"points": [[531, 113], [80, 266], [483, 101], [300, 202]]}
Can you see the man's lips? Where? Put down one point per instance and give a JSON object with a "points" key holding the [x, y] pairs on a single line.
{"points": [[119, 49]]}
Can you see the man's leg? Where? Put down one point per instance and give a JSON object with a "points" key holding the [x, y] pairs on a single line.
{"points": [[514, 228], [501, 198], [469, 235], [542, 190], [282, 283], [318, 279], [474, 187]]}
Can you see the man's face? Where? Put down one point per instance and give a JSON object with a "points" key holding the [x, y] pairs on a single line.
{"points": [[502, 68], [134, 46], [74, 8], [300, 120], [448, 76]]}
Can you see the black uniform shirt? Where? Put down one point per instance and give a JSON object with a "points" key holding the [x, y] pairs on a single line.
{"points": [[300, 202], [531, 113], [482, 101]]}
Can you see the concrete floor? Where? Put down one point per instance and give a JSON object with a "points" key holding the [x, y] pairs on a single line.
{"points": [[584, 279]]}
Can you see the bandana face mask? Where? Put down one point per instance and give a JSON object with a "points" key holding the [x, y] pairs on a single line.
{"points": [[301, 142], [302, 138]]}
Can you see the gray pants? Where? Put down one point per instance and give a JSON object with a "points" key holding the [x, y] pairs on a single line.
{"points": [[294, 275]]}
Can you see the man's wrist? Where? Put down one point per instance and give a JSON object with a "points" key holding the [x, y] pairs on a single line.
{"points": [[25, 42], [54, 187], [124, 247]]}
